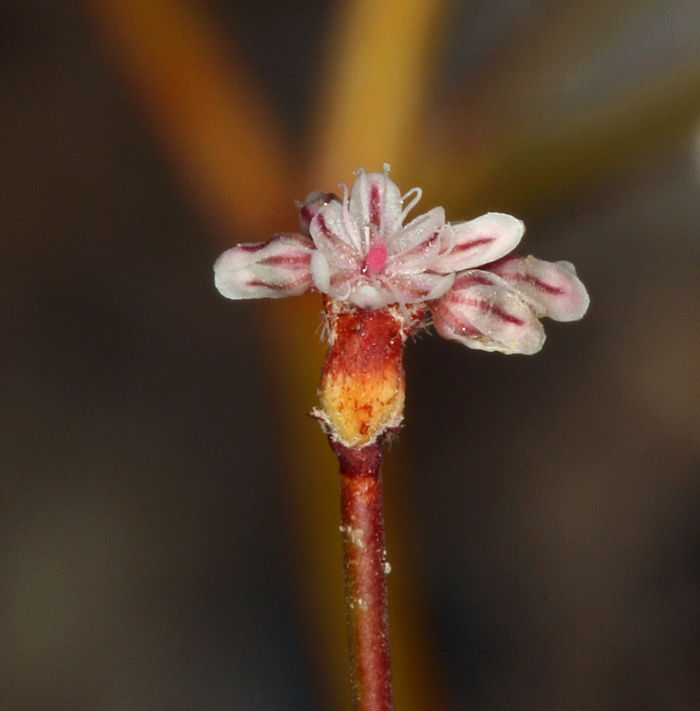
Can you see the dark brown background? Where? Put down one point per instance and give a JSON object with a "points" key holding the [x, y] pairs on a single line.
{"points": [[552, 503]]}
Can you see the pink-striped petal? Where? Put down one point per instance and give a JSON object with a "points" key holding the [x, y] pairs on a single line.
{"points": [[411, 288], [313, 203], [414, 248], [336, 237], [482, 311], [553, 287], [376, 200], [276, 268], [479, 241]]}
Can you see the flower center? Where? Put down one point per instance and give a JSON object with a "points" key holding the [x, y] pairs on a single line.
{"points": [[376, 258]]}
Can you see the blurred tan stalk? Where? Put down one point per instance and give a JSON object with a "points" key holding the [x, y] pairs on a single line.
{"points": [[544, 122], [224, 142], [513, 139], [205, 111]]}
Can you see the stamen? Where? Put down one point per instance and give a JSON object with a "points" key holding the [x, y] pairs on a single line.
{"points": [[347, 220], [418, 194], [362, 177], [382, 207], [365, 237]]}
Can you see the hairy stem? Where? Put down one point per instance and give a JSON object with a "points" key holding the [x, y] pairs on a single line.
{"points": [[362, 397], [364, 558]]}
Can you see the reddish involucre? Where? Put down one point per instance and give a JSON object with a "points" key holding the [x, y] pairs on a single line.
{"points": [[362, 387]]}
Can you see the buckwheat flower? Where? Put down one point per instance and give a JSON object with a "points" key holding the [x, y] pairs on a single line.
{"points": [[381, 275], [357, 250]]}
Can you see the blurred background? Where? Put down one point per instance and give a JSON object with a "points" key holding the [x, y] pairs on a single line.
{"points": [[169, 513]]}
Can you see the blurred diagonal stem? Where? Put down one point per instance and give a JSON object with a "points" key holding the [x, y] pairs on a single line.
{"points": [[224, 140]]}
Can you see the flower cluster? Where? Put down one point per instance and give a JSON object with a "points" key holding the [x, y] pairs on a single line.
{"points": [[358, 250]]}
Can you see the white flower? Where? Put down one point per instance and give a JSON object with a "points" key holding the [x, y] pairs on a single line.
{"points": [[358, 250]]}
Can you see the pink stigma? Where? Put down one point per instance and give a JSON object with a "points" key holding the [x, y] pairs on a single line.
{"points": [[376, 258]]}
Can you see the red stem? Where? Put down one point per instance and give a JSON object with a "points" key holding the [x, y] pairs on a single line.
{"points": [[364, 557]]}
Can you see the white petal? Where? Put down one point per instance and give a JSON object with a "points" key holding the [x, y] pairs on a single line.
{"points": [[480, 241], [414, 288], [336, 237], [415, 247], [276, 268], [376, 200], [439, 287], [552, 286], [313, 203], [367, 296], [320, 272], [482, 311]]}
